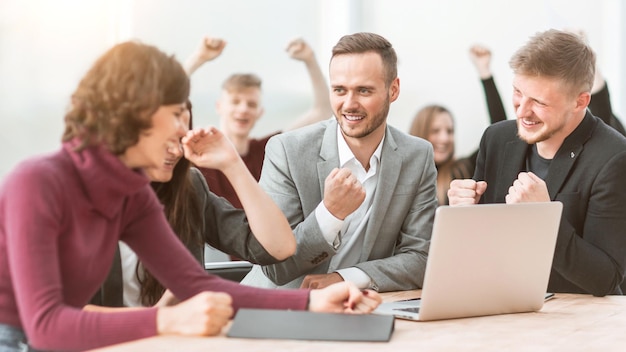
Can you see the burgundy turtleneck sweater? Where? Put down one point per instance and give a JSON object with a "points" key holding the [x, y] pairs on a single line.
{"points": [[61, 216]]}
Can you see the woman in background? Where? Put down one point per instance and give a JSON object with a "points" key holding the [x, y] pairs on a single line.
{"points": [[435, 124]]}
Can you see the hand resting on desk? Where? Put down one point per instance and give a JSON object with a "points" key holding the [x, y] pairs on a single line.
{"points": [[207, 313], [343, 297], [204, 314]]}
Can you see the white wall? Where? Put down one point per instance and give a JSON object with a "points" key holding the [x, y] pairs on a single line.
{"points": [[46, 46]]}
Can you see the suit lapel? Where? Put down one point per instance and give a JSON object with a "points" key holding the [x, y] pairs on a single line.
{"points": [[388, 173], [559, 169], [514, 162], [567, 154], [515, 159], [329, 156]]}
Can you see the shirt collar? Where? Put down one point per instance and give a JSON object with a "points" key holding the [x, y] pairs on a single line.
{"points": [[346, 155]]}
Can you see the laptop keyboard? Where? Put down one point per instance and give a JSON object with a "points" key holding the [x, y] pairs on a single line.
{"points": [[410, 310], [417, 309]]}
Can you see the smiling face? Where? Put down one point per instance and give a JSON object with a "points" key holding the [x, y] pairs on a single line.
{"points": [[158, 147], [359, 96], [546, 112], [165, 171], [239, 110], [441, 136]]}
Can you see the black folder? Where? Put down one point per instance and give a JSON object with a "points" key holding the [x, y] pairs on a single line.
{"points": [[304, 325]]}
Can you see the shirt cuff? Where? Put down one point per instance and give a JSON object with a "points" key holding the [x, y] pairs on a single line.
{"points": [[356, 276], [328, 223]]}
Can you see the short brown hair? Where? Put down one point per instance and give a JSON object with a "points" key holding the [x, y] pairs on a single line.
{"points": [[116, 98], [240, 81], [557, 54], [359, 43]]}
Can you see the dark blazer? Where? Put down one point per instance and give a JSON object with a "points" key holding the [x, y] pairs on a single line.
{"points": [[587, 176]]}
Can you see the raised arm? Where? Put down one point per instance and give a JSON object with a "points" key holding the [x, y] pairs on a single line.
{"points": [[211, 149], [300, 50], [208, 49], [481, 58], [600, 104]]}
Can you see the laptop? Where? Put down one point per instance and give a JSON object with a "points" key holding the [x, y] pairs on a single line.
{"points": [[485, 259], [230, 270]]}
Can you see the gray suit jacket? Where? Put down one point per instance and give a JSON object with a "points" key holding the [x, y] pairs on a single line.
{"points": [[398, 232]]}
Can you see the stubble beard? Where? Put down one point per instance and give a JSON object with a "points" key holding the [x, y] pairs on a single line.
{"points": [[377, 120], [536, 138]]}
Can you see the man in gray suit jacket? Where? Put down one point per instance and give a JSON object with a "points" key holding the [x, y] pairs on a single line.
{"points": [[359, 194], [557, 150]]}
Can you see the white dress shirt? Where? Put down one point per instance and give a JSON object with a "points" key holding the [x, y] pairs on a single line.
{"points": [[352, 229], [131, 286]]}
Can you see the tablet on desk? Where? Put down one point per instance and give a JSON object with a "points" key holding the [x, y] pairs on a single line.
{"points": [[305, 325]]}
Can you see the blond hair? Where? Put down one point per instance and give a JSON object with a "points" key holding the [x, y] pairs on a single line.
{"points": [[557, 54]]}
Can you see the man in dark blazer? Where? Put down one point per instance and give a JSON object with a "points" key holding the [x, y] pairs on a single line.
{"points": [[558, 151], [359, 194]]}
